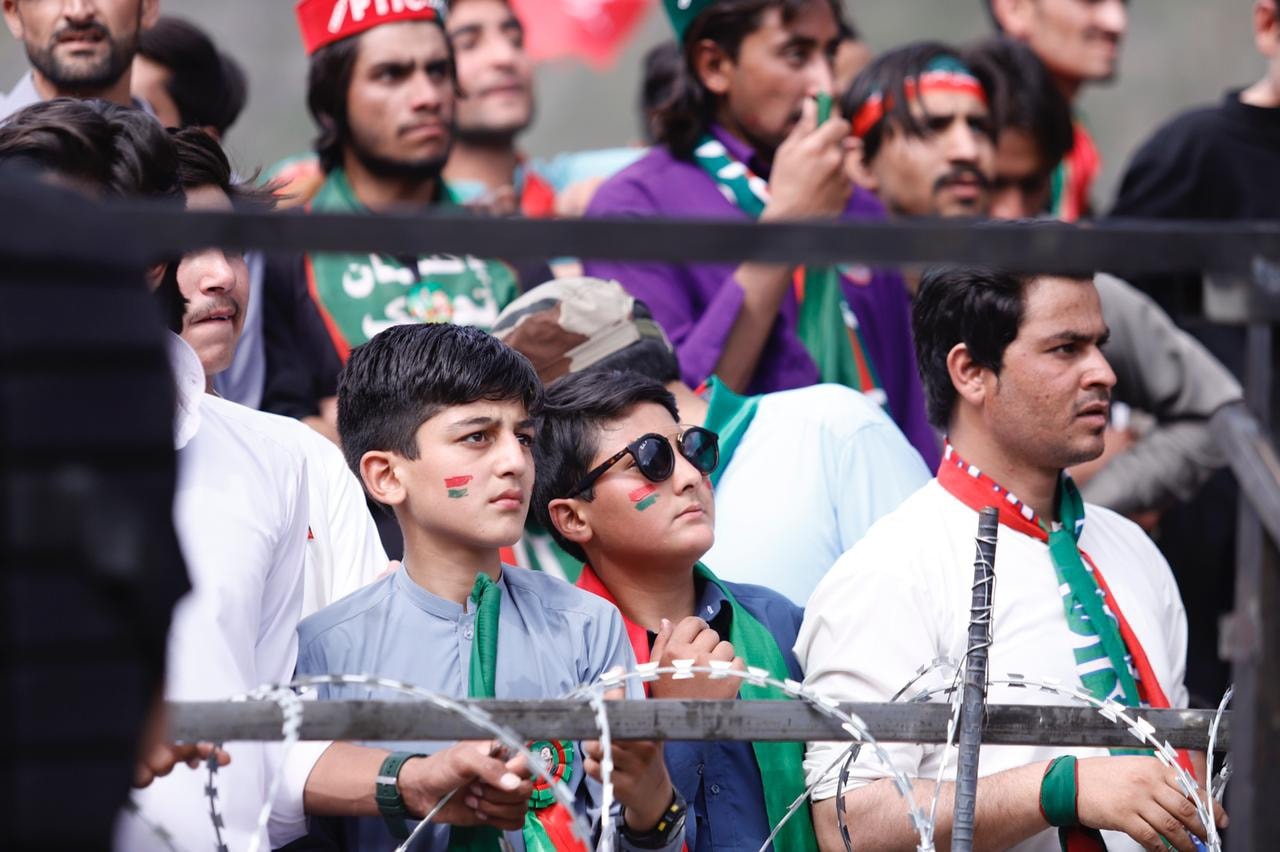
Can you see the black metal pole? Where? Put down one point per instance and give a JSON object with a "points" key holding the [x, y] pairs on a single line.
{"points": [[973, 705]]}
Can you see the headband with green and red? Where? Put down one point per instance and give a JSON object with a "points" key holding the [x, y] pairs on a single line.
{"points": [[941, 74]]}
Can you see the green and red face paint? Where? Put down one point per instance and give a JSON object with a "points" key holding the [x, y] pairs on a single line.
{"points": [[644, 497], [457, 486]]}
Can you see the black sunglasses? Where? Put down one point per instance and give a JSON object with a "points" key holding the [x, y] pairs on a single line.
{"points": [[656, 460]]}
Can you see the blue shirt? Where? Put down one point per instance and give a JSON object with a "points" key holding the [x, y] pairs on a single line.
{"points": [[720, 780], [552, 637]]}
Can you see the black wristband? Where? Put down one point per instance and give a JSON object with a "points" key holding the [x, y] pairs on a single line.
{"points": [[386, 793], [669, 825]]}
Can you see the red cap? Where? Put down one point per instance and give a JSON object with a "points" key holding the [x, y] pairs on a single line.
{"points": [[325, 21]]}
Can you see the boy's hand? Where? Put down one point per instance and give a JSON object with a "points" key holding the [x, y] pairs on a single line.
{"points": [[1141, 797], [161, 759], [808, 179], [692, 639], [640, 779], [493, 792]]}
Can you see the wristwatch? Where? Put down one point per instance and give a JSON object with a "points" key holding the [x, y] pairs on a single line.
{"points": [[386, 793], [670, 824]]}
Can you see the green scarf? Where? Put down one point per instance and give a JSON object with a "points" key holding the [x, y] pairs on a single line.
{"points": [[360, 295], [487, 597], [781, 764], [825, 322], [729, 415]]}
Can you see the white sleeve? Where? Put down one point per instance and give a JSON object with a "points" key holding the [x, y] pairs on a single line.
{"points": [[356, 555], [867, 630]]}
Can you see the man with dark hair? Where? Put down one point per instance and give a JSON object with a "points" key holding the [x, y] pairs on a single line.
{"points": [[626, 488], [67, 140], [926, 132], [741, 137], [1079, 42], [80, 50], [1035, 131], [837, 456], [383, 92], [186, 79], [1014, 373], [439, 422]]}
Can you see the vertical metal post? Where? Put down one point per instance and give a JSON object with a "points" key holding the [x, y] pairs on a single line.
{"points": [[973, 706], [1255, 746]]}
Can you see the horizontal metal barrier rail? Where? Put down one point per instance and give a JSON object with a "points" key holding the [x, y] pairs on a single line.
{"points": [[1117, 246], [1006, 724]]}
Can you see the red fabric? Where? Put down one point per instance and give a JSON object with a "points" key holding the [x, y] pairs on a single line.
{"points": [[977, 492], [636, 635], [538, 200], [595, 31], [1082, 165], [558, 824], [322, 22]]}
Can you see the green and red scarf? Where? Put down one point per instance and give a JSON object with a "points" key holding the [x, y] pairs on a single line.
{"points": [[825, 322], [548, 827], [1110, 660], [359, 295], [781, 765]]}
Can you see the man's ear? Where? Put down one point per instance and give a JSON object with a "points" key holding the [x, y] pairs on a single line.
{"points": [[968, 377], [379, 470], [1014, 16], [570, 520], [713, 67], [856, 167], [155, 272], [1266, 28], [150, 13], [13, 18]]}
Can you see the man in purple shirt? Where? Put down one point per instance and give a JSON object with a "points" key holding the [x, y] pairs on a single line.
{"points": [[741, 136]]}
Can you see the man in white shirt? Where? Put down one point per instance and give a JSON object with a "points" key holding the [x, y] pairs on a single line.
{"points": [[1013, 371], [76, 49], [803, 473]]}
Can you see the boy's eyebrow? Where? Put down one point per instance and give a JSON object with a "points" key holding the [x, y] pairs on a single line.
{"points": [[528, 423], [472, 422]]}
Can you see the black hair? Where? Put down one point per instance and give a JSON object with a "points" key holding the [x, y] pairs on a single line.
{"points": [[577, 407], [979, 307], [648, 356], [65, 136], [681, 120], [1025, 96], [658, 83], [202, 162], [849, 30], [145, 159], [407, 374], [328, 81], [887, 75], [208, 87]]}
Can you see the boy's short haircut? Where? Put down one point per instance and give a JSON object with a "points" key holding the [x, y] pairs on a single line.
{"points": [[576, 408], [407, 374]]}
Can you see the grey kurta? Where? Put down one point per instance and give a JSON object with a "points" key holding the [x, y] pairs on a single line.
{"points": [[551, 638]]}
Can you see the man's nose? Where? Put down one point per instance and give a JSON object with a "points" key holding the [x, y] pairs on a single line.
{"points": [[819, 75], [1112, 17], [79, 11], [962, 142], [217, 275]]}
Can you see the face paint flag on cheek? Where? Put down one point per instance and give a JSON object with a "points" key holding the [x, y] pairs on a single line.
{"points": [[457, 486], [323, 22], [643, 497]]}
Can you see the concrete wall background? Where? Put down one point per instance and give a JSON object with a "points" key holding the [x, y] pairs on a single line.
{"points": [[1180, 53]]}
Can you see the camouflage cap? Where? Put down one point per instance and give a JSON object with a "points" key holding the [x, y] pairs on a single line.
{"points": [[569, 324]]}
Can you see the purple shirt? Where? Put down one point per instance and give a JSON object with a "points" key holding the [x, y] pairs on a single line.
{"points": [[697, 305]]}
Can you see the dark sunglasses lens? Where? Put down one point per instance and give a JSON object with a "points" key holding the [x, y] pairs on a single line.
{"points": [[654, 458], [702, 448]]}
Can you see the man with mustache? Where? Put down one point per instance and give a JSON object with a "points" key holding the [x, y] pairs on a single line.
{"points": [[1014, 372], [1079, 41], [77, 48], [926, 138], [743, 135]]}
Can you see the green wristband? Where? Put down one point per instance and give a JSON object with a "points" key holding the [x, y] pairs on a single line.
{"points": [[1058, 792], [386, 793]]}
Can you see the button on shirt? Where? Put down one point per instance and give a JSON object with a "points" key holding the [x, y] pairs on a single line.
{"points": [[720, 780], [698, 304], [552, 637]]}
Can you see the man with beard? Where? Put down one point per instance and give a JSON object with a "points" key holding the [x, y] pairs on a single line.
{"points": [[76, 49], [1079, 41], [382, 89], [925, 132], [741, 137]]}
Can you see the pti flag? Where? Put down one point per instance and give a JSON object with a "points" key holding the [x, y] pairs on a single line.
{"points": [[595, 31]]}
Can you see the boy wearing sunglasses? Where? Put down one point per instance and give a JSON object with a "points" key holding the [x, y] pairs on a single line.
{"points": [[438, 420], [624, 487]]}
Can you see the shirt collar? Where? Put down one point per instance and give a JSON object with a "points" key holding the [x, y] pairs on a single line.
{"points": [[741, 151], [711, 606], [24, 94], [433, 604], [189, 383]]}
